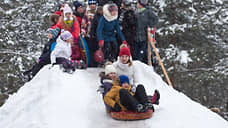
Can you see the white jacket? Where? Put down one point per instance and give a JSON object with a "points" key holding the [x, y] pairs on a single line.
{"points": [[125, 69], [62, 49]]}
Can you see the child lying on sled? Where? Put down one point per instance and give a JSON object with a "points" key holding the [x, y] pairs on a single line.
{"points": [[120, 97]]}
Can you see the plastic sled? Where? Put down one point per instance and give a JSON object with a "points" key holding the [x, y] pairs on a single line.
{"points": [[84, 50], [130, 116]]}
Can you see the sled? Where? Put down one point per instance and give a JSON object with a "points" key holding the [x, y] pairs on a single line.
{"points": [[130, 115], [84, 50]]}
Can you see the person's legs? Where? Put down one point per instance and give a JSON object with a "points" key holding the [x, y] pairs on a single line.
{"points": [[107, 51], [140, 94], [114, 49], [127, 100], [141, 51]]}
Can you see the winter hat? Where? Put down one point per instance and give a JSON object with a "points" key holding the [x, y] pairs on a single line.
{"points": [[127, 2], [124, 79], [143, 2], [112, 7], [110, 69], [65, 35], [125, 51], [67, 9], [77, 4], [92, 2], [54, 32]]}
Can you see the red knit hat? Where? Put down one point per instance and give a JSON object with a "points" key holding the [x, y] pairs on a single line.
{"points": [[125, 51]]}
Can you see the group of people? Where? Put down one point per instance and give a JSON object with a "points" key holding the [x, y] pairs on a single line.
{"points": [[99, 24]]}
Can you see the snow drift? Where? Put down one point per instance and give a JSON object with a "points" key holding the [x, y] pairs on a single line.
{"points": [[54, 99]]}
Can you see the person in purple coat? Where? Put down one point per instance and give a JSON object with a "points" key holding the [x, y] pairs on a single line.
{"points": [[107, 78]]}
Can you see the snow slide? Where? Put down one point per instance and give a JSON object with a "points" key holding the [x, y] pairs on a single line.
{"points": [[54, 99]]}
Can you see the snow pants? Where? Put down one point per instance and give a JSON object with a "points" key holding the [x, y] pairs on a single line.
{"points": [[110, 50], [129, 101], [67, 64], [140, 51]]}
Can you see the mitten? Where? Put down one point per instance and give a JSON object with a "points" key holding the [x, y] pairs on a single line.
{"points": [[116, 108], [101, 43], [124, 42]]}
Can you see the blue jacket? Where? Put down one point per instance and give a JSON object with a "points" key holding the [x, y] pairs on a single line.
{"points": [[107, 30]]}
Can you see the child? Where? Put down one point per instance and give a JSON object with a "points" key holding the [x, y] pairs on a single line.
{"points": [[78, 11], [106, 32], [62, 52], [44, 58], [120, 97], [124, 64], [107, 79]]}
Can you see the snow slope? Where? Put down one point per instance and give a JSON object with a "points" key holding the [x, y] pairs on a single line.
{"points": [[54, 99]]}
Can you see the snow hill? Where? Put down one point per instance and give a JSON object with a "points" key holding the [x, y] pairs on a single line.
{"points": [[54, 99]]}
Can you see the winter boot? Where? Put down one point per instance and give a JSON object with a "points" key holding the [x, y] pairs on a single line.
{"points": [[139, 108], [149, 106], [156, 97], [27, 76]]}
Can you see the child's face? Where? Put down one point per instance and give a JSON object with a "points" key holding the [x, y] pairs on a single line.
{"points": [[92, 6], [70, 40], [124, 59], [112, 75], [113, 13], [125, 85], [68, 15], [80, 9]]}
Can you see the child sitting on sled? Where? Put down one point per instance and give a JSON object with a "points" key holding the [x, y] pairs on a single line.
{"points": [[120, 97], [107, 79], [62, 52]]}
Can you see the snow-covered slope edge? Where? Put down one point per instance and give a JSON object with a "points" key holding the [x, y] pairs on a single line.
{"points": [[55, 100]]}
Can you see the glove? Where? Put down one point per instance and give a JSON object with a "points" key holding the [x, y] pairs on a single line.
{"points": [[116, 108], [101, 43], [124, 42], [133, 88]]}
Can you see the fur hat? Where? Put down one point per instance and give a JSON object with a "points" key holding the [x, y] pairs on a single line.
{"points": [[65, 35], [92, 2], [109, 69], [67, 9], [124, 79], [106, 13], [143, 2], [125, 51], [76, 5]]}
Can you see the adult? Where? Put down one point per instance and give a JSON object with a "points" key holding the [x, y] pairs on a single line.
{"points": [[144, 18]]}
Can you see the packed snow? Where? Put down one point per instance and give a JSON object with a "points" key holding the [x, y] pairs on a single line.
{"points": [[54, 99]]}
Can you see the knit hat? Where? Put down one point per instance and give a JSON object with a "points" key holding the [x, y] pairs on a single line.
{"points": [[112, 7], [65, 35], [124, 79], [110, 69], [125, 51], [67, 9], [54, 32], [143, 2], [92, 2], [77, 4], [127, 2]]}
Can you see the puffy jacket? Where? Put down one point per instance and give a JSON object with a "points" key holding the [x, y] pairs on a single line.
{"points": [[113, 96], [108, 26], [62, 49]]}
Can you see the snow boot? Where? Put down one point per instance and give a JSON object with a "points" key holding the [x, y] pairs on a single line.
{"points": [[149, 106], [156, 97], [68, 70], [27, 76]]}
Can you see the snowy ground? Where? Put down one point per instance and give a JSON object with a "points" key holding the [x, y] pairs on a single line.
{"points": [[54, 99]]}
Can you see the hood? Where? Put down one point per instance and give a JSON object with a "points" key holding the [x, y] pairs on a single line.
{"points": [[107, 15]]}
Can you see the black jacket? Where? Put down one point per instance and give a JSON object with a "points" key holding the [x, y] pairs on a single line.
{"points": [[144, 20]]}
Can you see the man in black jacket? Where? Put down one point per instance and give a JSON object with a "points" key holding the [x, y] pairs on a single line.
{"points": [[144, 18]]}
